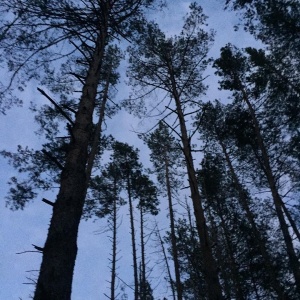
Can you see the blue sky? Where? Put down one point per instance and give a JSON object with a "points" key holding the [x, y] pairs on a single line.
{"points": [[20, 229]]}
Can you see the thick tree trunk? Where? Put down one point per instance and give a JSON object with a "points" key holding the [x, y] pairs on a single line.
{"points": [[209, 264], [173, 235], [59, 254]]}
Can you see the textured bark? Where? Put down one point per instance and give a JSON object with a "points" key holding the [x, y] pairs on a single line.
{"points": [[209, 264], [60, 250]]}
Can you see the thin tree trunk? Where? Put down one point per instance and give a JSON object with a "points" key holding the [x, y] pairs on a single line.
{"points": [[114, 247], [173, 235], [198, 293], [166, 261], [236, 278], [143, 260], [135, 268], [272, 272], [217, 241], [292, 222], [209, 264], [60, 250]]}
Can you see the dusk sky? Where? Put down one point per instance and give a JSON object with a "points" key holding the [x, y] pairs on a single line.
{"points": [[21, 229]]}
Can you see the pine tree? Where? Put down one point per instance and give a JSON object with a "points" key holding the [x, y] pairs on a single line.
{"points": [[146, 192], [165, 156], [216, 135], [254, 134], [174, 65], [106, 201], [30, 44]]}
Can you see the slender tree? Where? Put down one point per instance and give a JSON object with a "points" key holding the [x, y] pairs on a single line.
{"points": [[165, 156], [215, 133], [137, 186], [125, 158], [174, 65], [247, 89], [106, 201], [165, 259], [276, 24], [146, 192]]}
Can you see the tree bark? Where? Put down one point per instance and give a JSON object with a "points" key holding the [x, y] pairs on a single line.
{"points": [[209, 264], [60, 250]]}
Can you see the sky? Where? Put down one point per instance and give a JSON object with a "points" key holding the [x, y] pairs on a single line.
{"points": [[20, 229]]}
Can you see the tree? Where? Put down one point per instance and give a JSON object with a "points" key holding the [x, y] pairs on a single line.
{"points": [[247, 88], [106, 191], [165, 154], [125, 159], [190, 258], [216, 135], [165, 260], [146, 192], [276, 24], [38, 28], [174, 66], [137, 186]]}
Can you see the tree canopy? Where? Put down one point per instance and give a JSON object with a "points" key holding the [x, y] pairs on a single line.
{"points": [[208, 206]]}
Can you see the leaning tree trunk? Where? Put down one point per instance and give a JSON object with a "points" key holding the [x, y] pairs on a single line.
{"points": [[272, 272], [209, 265], [277, 200], [161, 242], [231, 255], [60, 250]]}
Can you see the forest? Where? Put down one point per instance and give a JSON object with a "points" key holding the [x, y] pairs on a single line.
{"points": [[200, 200]]}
